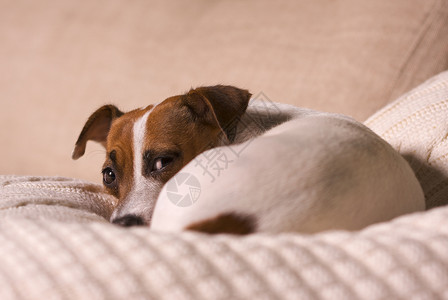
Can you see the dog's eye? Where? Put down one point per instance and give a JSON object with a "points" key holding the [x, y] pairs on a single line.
{"points": [[108, 176], [161, 162]]}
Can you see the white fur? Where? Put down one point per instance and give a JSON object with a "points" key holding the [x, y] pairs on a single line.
{"points": [[139, 132], [138, 201], [316, 171]]}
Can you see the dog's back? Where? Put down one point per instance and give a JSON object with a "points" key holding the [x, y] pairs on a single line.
{"points": [[315, 172]]}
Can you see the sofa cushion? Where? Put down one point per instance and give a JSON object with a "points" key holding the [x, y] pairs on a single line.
{"points": [[417, 126]]}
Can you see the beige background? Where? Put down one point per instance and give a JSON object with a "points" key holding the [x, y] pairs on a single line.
{"points": [[60, 60]]}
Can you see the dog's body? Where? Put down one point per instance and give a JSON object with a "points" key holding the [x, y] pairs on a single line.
{"points": [[306, 171], [315, 172]]}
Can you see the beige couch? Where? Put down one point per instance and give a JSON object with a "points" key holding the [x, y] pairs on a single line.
{"points": [[62, 59], [56, 243]]}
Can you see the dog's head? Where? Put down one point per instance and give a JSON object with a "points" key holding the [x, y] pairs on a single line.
{"points": [[146, 147]]}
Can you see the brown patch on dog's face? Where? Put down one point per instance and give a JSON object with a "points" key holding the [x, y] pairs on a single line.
{"points": [[174, 136], [177, 134], [231, 223], [119, 161]]}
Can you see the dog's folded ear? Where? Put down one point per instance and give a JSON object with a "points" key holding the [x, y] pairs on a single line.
{"points": [[221, 103], [96, 128]]}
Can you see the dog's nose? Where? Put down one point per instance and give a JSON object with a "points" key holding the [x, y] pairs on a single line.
{"points": [[129, 220]]}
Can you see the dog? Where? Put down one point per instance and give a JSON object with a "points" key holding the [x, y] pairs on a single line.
{"points": [[300, 170], [146, 147]]}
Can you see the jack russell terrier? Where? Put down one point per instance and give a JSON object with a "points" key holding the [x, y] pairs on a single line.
{"points": [[300, 170]]}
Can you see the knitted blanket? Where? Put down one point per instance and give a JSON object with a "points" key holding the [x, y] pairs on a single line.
{"points": [[56, 243]]}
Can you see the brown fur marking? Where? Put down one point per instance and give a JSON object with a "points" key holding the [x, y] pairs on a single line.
{"points": [[232, 223]]}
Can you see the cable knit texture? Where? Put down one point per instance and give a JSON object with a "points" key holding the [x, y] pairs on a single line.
{"points": [[56, 243], [417, 126]]}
